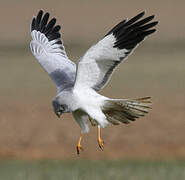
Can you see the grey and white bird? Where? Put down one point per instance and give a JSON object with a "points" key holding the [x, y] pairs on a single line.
{"points": [[78, 84]]}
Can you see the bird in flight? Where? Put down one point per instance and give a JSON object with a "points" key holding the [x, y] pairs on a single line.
{"points": [[78, 84]]}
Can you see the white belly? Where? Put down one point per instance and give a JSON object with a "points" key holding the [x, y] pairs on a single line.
{"points": [[91, 102]]}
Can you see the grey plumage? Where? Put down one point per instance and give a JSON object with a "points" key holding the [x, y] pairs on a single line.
{"points": [[78, 86], [126, 110], [47, 46]]}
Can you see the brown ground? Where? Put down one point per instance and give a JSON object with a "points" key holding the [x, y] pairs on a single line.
{"points": [[36, 133], [30, 129], [28, 126]]}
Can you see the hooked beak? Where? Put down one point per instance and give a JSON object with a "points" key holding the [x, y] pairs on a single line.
{"points": [[58, 113]]}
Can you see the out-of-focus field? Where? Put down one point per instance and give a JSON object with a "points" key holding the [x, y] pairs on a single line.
{"points": [[154, 146], [100, 170], [29, 128]]}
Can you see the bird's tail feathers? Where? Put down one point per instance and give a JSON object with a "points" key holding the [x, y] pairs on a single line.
{"points": [[126, 110]]}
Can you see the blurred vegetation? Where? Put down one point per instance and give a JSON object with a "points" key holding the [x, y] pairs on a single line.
{"points": [[92, 170], [28, 126]]}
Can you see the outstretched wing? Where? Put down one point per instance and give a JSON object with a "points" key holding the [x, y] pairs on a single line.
{"points": [[47, 47], [96, 66]]}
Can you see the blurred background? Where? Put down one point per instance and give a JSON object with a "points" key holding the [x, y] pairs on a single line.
{"points": [[29, 130]]}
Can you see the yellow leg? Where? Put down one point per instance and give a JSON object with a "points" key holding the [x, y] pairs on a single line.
{"points": [[79, 147], [100, 141]]}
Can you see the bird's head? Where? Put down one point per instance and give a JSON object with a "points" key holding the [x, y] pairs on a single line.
{"points": [[59, 108]]}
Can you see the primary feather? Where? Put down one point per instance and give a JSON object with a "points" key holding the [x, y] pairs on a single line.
{"points": [[47, 46], [98, 63], [77, 89]]}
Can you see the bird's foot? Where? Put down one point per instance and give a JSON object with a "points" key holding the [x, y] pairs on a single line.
{"points": [[101, 143], [79, 149]]}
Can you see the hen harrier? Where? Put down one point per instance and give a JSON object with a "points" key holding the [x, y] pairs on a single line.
{"points": [[78, 85]]}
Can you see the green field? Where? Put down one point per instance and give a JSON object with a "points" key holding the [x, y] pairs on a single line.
{"points": [[35, 145], [92, 170]]}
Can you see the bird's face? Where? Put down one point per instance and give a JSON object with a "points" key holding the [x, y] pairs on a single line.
{"points": [[58, 108]]}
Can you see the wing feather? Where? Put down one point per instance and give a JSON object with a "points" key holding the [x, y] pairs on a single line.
{"points": [[98, 63], [47, 47]]}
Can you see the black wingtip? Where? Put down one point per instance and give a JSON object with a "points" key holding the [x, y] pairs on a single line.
{"points": [[155, 23], [135, 18], [41, 23], [142, 13], [150, 17], [117, 27], [40, 13], [132, 32], [146, 33], [33, 24], [38, 19], [47, 14]]}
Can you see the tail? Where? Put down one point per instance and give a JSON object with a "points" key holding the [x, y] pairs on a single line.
{"points": [[126, 110]]}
